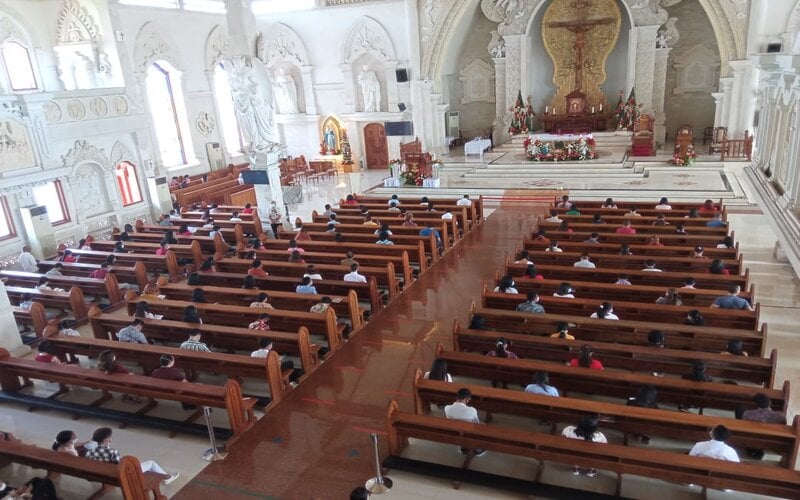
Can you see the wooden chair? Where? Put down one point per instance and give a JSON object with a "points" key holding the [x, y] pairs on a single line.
{"points": [[684, 141], [718, 138], [643, 139]]}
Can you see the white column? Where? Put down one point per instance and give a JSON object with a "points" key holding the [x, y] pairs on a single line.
{"points": [[741, 110], [725, 85], [9, 334], [513, 70], [500, 125], [645, 66], [719, 102], [659, 92], [308, 90]]}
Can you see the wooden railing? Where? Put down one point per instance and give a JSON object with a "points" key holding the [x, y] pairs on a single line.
{"points": [[737, 148]]}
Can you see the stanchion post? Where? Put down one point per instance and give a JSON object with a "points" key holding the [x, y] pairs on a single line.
{"points": [[214, 453], [378, 484]]}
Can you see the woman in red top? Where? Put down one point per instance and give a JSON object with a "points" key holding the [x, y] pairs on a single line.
{"points": [[532, 273], [501, 350], [717, 267], [163, 249], [183, 230], [107, 363], [586, 359], [68, 257], [302, 235], [256, 269], [248, 209], [47, 353], [708, 207], [351, 200]]}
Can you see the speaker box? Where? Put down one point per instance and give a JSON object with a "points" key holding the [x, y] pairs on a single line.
{"points": [[402, 75], [401, 106], [773, 48]]}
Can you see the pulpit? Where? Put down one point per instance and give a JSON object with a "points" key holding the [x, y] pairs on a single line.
{"points": [[411, 154], [684, 141], [718, 138], [578, 118], [643, 140]]}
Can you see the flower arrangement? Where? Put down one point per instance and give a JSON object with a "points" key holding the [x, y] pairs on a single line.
{"points": [[413, 175], [577, 150], [684, 161]]}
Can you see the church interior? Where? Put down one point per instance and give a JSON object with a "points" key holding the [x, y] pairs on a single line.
{"points": [[417, 249]]}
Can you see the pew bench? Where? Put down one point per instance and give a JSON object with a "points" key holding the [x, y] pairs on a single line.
{"points": [[189, 252], [153, 263], [107, 288], [429, 242], [683, 264], [208, 245], [397, 229], [668, 239], [649, 230], [35, 317], [72, 299], [416, 251], [616, 221], [475, 209], [135, 274], [636, 249]]}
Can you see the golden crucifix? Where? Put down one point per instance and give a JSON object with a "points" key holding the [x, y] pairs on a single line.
{"points": [[581, 26]]}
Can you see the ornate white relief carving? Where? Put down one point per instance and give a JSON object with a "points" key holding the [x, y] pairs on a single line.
{"points": [[150, 46], [281, 44], [82, 152], [205, 124], [368, 37], [75, 109], [216, 46], [10, 29], [648, 12], [431, 11], [497, 46], [697, 70], [477, 79], [669, 33], [119, 153], [88, 189], [120, 105], [504, 11], [15, 144], [76, 25], [52, 111], [98, 107]]}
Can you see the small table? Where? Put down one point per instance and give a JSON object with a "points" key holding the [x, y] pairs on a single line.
{"points": [[477, 147]]}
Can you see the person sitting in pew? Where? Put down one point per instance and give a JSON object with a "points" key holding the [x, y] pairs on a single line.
{"points": [[532, 273], [55, 270], [294, 248], [67, 442], [393, 201], [586, 359], [323, 305], [464, 202], [438, 371], [477, 322], [460, 410], [383, 239], [623, 279], [694, 318], [650, 265], [718, 267], [101, 451], [209, 224], [626, 228], [25, 302], [306, 286], [593, 238], [716, 447], [349, 259], [133, 333], [215, 231], [656, 338], [697, 253], [368, 221], [262, 323], [654, 241], [565, 291], [541, 385], [198, 296], [632, 213], [82, 244], [101, 273], [531, 305], [302, 234], [265, 345], [47, 353], [663, 204], [717, 221], [248, 209], [563, 332], [183, 230], [43, 285], [408, 220], [193, 343], [235, 217], [584, 262], [261, 301], [564, 226], [297, 258], [708, 207], [311, 272], [256, 270], [107, 363], [208, 266], [166, 370], [354, 276], [680, 228], [553, 247], [598, 219], [501, 350], [604, 311], [151, 291], [69, 257], [762, 413], [670, 298], [586, 430], [609, 203], [554, 217], [573, 210], [506, 285], [332, 220], [143, 311], [524, 258], [645, 398], [661, 220], [249, 283], [564, 203], [689, 283], [732, 300], [698, 373], [194, 279], [65, 328], [541, 235], [191, 315], [727, 242], [625, 249], [735, 348]]}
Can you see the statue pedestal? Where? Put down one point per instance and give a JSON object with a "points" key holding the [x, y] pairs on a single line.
{"points": [[10, 339], [269, 161]]}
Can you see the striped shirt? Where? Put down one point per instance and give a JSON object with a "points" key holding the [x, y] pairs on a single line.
{"points": [[195, 345]]}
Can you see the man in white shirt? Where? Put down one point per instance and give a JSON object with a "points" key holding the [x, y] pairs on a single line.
{"points": [[554, 217], [464, 202], [354, 276], [27, 261], [56, 270], [650, 265], [460, 410], [716, 448], [448, 215], [584, 262]]}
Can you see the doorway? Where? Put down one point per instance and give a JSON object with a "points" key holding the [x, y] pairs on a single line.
{"points": [[375, 146]]}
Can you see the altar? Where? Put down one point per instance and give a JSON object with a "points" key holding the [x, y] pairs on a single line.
{"points": [[556, 147], [577, 124]]}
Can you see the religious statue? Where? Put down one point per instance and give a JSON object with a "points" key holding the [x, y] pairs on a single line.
{"points": [[285, 93], [253, 102], [329, 139], [530, 115], [661, 40], [370, 90]]}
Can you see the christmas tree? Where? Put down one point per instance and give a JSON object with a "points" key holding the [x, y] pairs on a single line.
{"points": [[627, 113], [520, 117]]}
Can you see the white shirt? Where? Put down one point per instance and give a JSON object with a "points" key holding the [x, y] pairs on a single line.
{"points": [[553, 218], [714, 449], [460, 411], [607, 316], [28, 262], [569, 432], [584, 263], [553, 249], [447, 377], [447, 216], [315, 276], [663, 207], [652, 270], [510, 289], [566, 296], [355, 277], [464, 202]]}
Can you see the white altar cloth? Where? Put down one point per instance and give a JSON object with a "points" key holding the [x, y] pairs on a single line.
{"points": [[477, 147]]}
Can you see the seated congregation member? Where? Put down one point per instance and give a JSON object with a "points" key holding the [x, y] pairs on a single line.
{"points": [[680, 228], [532, 273], [55, 271], [564, 203], [408, 220], [764, 414], [586, 359], [697, 253], [563, 332], [47, 353], [598, 219], [609, 203], [191, 315], [541, 385], [262, 323], [690, 284], [354, 276], [477, 322], [67, 442], [626, 228], [670, 298], [383, 229], [384, 239], [302, 234], [101, 273], [694, 318], [143, 311], [735, 348], [167, 371], [661, 220], [438, 371], [100, 449], [261, 300], [654, 241], [108, 364], [716, 447], [460, 410], [524, 257], [531, 305], [645, 398], [593, 238], [718, 267], [296, 257], [623, 279], [554, 217], [732, 300], [573, 210], [506, 285], [306, 286], [163, 248], [650, 265], [553, 247], [564, 291], [605, 311], [256, 269], [349, 259], [717, 221], [586, 430], [501, 350], [564, 226], [625, 249], [265, 346], [663, 204], [323, 305], [133, 333], [464, 202], [585, 262], [632, 213], [727, 242], [193, 343], [65, 328], [698, 373]]}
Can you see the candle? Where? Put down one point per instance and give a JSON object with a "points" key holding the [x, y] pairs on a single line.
{"points": [[601, 107], [546, 110], [592, 109]]}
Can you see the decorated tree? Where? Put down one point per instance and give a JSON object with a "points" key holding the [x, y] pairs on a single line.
{"points": [[627, 112], [521, 116]]}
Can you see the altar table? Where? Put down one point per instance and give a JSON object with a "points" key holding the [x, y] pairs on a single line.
{"points": [[477, 147]]}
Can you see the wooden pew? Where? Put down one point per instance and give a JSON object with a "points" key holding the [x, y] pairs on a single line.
{"points": [[72, 300], [614, 384], [475, 210], [108, 287], [189, 252], [416, 251], [381, 211], [429, 242], [385, 276], [233, 365], [669, 424], [229, 397], [135, 274], [396, 228], [345, 306], [718, 232], [160, 263], [153, 233], [127, 475], [36, 317], [611, 292], [104, 326], [642, 250], [638, 205], [635, 358], [635, 311], [698, 338], [668, 239], [322, 324], [683, 264], [615, 221], [421, 217], [249, 227]]}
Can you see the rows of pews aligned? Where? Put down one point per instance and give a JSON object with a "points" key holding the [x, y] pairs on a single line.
{"points": [[227, 378], [630, 361]]}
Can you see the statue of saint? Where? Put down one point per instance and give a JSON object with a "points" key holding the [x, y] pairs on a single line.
{"points": [[329, 137], [253, 102], [370, 89], [285, 93]]}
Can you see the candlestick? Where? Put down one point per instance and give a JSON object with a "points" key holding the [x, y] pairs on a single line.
{"points": [[601, 107], [547, 110], [592, 109]]}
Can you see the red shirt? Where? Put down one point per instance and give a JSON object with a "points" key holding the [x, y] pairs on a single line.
{"points": [[257, 272], [98, 274], [594, 365], [69, 258], [162, 251], [247, 211], [708, 210], [43, 357], [626, 230]]}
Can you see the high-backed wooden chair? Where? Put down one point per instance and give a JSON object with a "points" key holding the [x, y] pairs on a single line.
{"points": [[643, 140], [684, 141], [718, 138]]}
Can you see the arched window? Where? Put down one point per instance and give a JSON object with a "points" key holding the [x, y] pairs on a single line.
{"points": [[18, 66], [231, 133], [128, 183], [165, 98]]}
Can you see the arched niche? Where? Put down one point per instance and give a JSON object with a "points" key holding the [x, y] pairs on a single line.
{"points": [[285, 55], [152, 45], [368, 47], [331, 133], [88, 185], [82, 63]]}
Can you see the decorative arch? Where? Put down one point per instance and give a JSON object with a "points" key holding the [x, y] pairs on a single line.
{"points": [[216, 46], [12, 27], [793, 27], [76, 25], [120, 152], [367, 36], [283, 44], [332, 123], [151, 46]]}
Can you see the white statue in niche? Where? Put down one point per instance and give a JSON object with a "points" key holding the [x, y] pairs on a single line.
{"points": [[285, 93], [370, 90], [89, 193], [254, 104]]}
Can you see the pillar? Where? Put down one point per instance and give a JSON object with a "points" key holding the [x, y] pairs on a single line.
{"points": [[645, 39], [9, 336], [659, 93], [500, 125], [308, 90], [725, 85], [350, 93], [741, 110], [390, 77], [719, 102], [513, 72], [429, 115]]}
